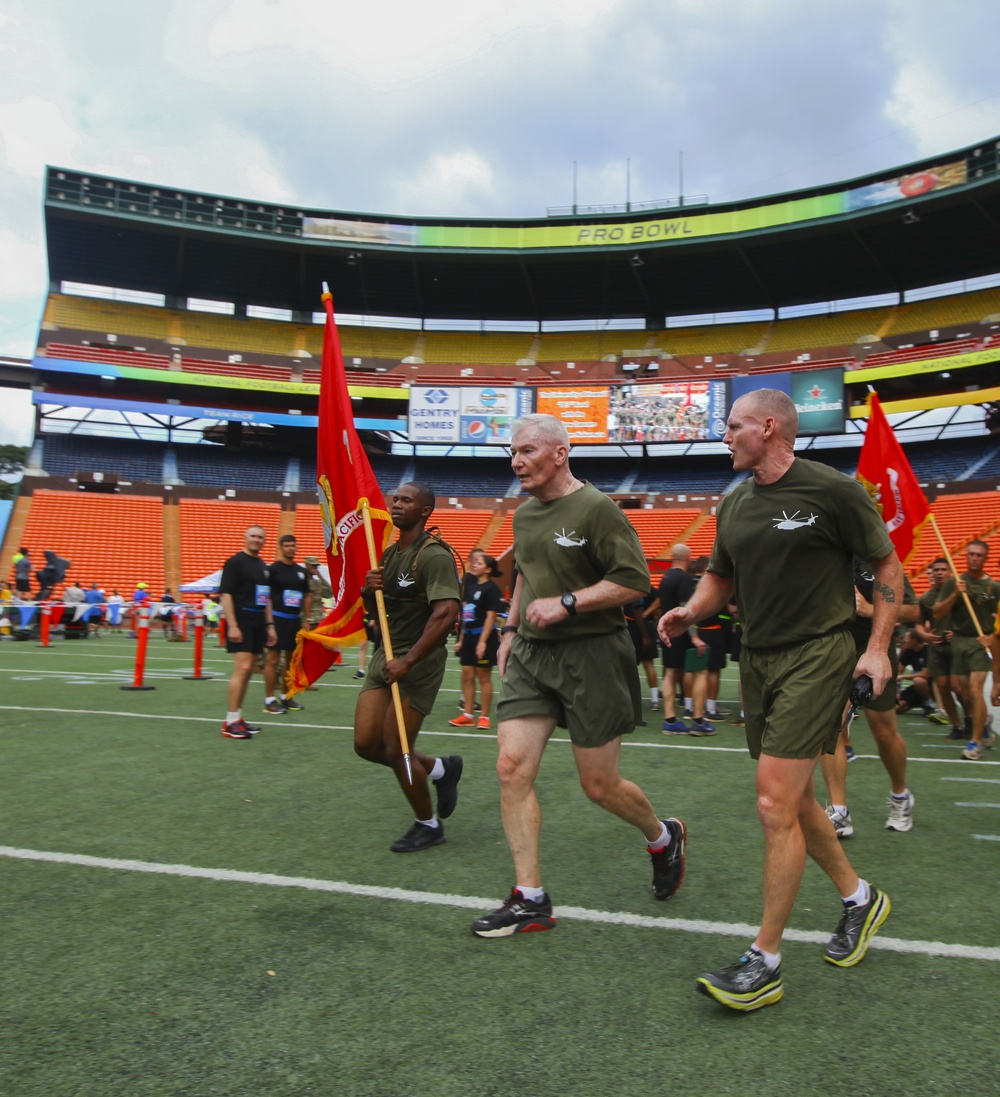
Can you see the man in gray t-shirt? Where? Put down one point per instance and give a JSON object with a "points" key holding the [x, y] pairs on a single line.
{"points": [[566, 659]]}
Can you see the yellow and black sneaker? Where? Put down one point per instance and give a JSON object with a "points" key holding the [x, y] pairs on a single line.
{"points": [[858, 925], [748, 984]]}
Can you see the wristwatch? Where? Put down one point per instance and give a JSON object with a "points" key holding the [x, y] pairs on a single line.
{"points": [[569, 603]]}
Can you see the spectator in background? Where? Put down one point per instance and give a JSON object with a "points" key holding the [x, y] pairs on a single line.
{"points": [[74, 595], [22, 572], [676, 587], [938, 640], [245, 592], [94, 597], [478, 641], [290, 603], [319, 590], [970, 660], [168, 605], [115, 610]]}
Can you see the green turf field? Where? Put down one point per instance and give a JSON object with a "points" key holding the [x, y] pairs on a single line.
{"points": [[185, 914]]}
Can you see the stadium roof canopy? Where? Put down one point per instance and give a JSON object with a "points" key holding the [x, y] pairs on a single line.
{"points": [[928, 223]]}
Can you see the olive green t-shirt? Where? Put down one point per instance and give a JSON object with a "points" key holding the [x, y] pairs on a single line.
{"points": [[790, 547], [408, 596], [571, 543], [984, 595]]}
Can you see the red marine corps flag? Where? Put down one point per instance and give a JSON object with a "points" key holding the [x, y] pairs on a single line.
{"points": [[886, 473], [345, 484]]}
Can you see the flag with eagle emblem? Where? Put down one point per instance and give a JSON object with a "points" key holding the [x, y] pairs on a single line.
{"points": [[886, 473], [345, 484]]}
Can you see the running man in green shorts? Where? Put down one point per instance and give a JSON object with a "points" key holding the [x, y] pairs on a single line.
{"points": [[566, 659], [419, 582], [787, 538]]}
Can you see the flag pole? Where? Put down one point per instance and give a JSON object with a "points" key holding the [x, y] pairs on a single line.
{"points": [[954, 571], [383, 620]]}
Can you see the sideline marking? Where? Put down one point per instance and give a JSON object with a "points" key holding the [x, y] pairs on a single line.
{"points": [[974, 804], [987, 837], [471, 902], [483, 736], [972, 780]]}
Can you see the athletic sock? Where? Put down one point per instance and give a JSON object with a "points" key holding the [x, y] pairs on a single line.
{"points": [[270, 700], [904, 795], [710, 707], [437, 770], [842, 808], [772, 959], [536, 895], [432, 822], [654, 696], [861, 896], [662, 842], [232, 717]]}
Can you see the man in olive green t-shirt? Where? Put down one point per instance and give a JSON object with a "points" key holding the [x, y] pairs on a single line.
{"points": [[566, 659], [970, 659], [787, 538], [419, 583]]}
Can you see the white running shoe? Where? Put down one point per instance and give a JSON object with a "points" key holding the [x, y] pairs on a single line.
{"points": [[900, 813], [841, 821]]}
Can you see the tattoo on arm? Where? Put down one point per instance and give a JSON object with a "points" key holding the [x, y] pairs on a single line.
{"points": [[888, 594]]}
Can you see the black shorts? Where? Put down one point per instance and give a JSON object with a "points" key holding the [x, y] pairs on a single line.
{"points": [[715, 638], [467, 652], [253, 625], [645, 647], [287, 629], [23, 586], [675, 655]]}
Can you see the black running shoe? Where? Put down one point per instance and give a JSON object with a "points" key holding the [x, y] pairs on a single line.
{"points": [[418, 837], [668, 864], [447, 785], [275, 708], [858, 925], [956, 735], [517, 915], [239, 729], [748, 984], [292, 705]]}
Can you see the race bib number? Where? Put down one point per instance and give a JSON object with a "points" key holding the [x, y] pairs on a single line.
{"points": [[468, 613], [293, 599], [263, 594]]}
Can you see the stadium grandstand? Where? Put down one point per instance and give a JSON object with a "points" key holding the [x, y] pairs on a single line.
{"points": [[177, 368]]}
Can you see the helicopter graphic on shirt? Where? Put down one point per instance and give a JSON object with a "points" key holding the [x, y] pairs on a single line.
{"points": [[793, 521], [566, 539]]}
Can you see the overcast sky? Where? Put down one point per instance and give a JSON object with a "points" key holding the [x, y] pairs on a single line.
{"points": [[470, 107]]}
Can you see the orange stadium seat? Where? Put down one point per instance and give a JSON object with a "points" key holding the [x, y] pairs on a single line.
{"points": [[660, 529], [212, 530], [961, 519], [115, 541]]}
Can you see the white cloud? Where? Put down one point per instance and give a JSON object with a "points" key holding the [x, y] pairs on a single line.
{"points": [[34, 132], [445, 182]]}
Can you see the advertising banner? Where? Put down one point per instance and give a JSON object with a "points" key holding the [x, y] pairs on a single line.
{"points": [[488, 414], [468, 415], [818, 396], [687, 411], [583, 410]]}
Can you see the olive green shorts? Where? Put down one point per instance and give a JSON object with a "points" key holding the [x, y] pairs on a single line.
{"points": [[794, 696], [886, 700], [939, 660], [420, 687], [589, 686], [968, 656]]}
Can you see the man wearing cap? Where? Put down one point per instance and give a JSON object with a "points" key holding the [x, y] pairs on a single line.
{"points": [[245, 592], [319, 589]]}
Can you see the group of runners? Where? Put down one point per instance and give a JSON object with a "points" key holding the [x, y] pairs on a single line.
{"points": [[565, 659]]}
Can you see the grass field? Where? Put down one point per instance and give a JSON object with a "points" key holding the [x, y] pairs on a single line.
{"points": [[184, 914]]}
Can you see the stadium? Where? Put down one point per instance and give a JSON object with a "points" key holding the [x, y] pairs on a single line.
{"points": [[176, 388]]}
